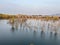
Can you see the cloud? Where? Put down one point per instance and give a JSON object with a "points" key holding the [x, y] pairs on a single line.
{"points": [[13, 8]]}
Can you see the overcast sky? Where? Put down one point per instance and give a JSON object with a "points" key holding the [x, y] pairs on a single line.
{"points": [[30, 6]]}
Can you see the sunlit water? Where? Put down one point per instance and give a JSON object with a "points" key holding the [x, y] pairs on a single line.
{"points": [[30, 34]]}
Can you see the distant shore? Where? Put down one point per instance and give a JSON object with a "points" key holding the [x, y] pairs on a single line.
{"points": [[20, 16], [6, 16]]}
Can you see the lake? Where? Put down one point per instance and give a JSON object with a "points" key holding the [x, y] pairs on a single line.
{"points": [[29, 33]]}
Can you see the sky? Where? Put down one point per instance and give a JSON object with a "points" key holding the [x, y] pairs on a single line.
{"points": [[30, 7]]}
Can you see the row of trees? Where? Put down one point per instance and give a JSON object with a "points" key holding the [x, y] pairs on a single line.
{"points": [[5, 16], [51, 17]]}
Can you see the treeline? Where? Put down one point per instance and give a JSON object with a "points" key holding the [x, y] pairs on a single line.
{"points": [[6, 16], [51, 17]]}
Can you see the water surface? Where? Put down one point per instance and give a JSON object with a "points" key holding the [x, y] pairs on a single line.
{"points": [[27, 36]]}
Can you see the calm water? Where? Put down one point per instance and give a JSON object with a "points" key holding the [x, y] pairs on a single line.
{"points": [[27, 36]]}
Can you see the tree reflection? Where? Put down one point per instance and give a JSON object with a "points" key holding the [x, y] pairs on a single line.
{"points": [[55, 36], [16, 24], [42, 34], [34, 35], [53, 25], [12, 30]]}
